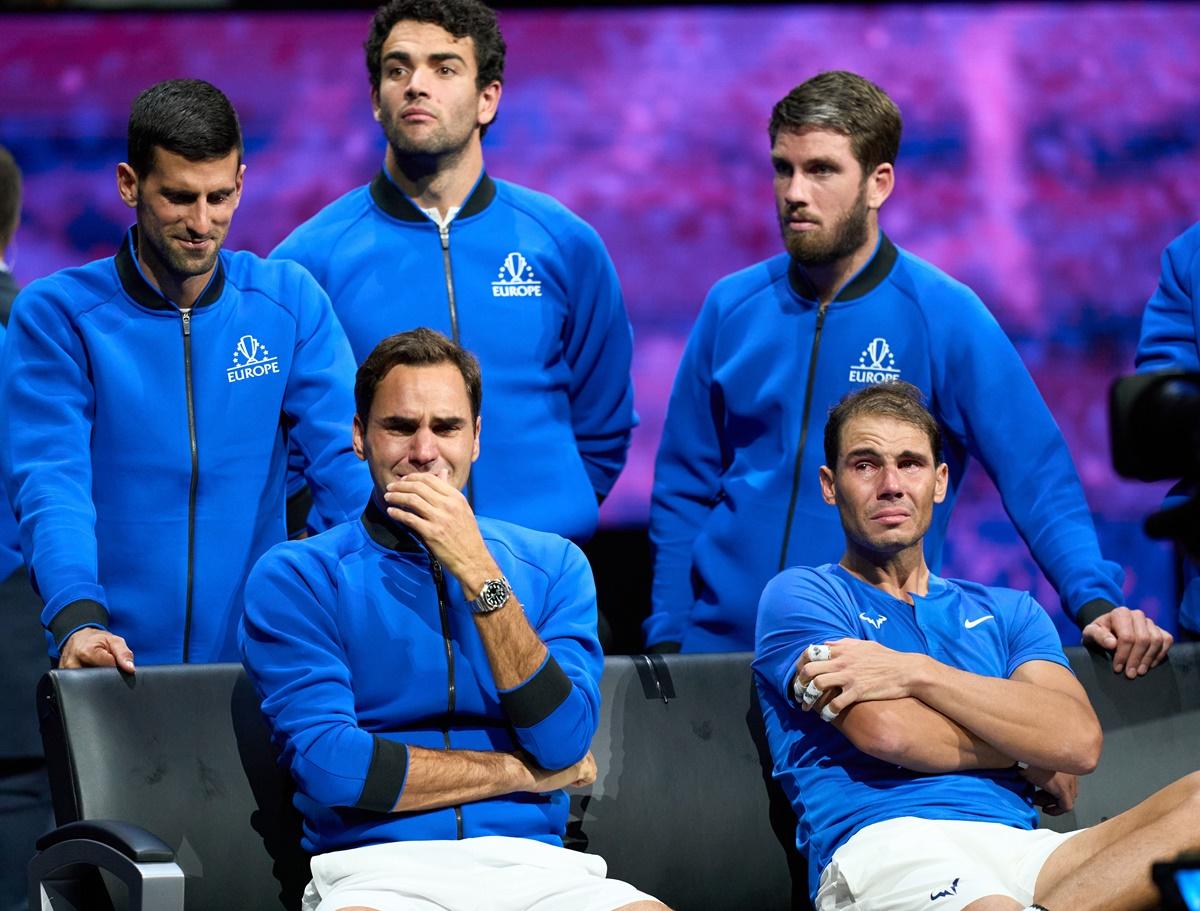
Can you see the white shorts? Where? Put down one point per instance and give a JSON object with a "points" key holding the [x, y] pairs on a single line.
{"points": [[491, 872], [911, 864]]}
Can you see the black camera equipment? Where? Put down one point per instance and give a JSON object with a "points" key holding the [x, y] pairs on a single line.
{"points": [[1154, 419]]}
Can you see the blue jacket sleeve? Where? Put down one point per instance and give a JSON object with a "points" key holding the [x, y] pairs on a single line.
{"points": [[687, 480], [292, 652], [598, 348], [1171, 322], [555, 712], [985, 397], [319, 402], [46, 413]]}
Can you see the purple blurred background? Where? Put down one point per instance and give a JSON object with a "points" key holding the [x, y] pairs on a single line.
{"points": [[1048, 158]]}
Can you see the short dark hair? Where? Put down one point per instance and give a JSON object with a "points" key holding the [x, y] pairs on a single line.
{"points": [[461, 18], [415, 348], [848, 104], [900, 400], [189, 117], [10, 197]]}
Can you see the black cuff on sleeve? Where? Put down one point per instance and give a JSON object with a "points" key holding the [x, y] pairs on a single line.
{"points": [[535, 699], [1093, 609], [84, 612], [385, 777]]}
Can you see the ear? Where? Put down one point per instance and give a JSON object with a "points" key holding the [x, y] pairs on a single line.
{"points": [[237, 186], [880, 184], [359, 433], [376, 112], [489, 101], [127, 185], [475, 451], [941, 482], [828, 490]]}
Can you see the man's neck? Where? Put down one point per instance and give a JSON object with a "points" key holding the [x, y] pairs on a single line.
{"points": [[181, 292], [830, 279], [437, 182], [900, 574]]}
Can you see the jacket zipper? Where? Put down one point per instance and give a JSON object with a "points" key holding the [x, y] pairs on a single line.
{"points": [[440, 581], [185, 314], [808, 393], [444, 234]]}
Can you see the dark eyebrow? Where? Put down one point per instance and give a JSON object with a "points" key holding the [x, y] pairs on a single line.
{"points": [[453, 423], [862, 452], [405, 57]]}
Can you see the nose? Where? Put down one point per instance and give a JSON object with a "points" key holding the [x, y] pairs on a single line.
{"points": [[796, 190], [416, 83], [199, 219], [889, 483], [423, 451]]}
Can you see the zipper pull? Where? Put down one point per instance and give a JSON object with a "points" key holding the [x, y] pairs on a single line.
{"points": [[436, 567], [444, 234], [186, 315]]}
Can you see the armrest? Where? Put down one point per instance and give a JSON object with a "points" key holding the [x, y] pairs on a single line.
{"points": [[132, 841], [58, 874]]}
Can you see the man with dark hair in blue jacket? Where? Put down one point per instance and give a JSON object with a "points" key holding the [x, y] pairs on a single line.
{"points": [[916, 723], [736, 496], [506, 271], [146, 403], [433, 676]]}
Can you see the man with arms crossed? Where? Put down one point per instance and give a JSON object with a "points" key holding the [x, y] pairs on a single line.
{"points": [[915, 721], [147, 399], [776, 345], [504, 270], [433, 677]]}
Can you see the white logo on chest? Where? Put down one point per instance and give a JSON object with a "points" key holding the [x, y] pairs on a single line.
{"points": [[251, 359], [876, 364], [515, 278]]}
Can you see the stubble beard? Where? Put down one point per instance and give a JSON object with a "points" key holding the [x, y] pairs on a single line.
{"points": [[179, 262], [847, 238], [437, 151]]}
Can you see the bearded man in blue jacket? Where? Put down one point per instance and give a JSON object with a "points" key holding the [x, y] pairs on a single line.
{"points": [[506, 271], [736, 487], [433, 677], [147, 401]]}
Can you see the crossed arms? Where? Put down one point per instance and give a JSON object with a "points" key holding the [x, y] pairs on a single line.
{"points": [[914, 711]]}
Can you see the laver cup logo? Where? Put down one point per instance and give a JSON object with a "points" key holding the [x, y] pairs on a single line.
{"points": [[516, 279], [876, 364], [251, 359]]}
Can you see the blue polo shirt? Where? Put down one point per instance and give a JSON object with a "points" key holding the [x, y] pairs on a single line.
{"points": [[835, 788]]}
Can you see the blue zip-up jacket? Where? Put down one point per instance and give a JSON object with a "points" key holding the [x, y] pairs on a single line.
{"points": [[529, 288], [736, 487], [361, 646], [1171, 341], [145, 446]]}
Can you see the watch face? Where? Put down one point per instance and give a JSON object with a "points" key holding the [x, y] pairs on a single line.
{"points": [[494, 594]]}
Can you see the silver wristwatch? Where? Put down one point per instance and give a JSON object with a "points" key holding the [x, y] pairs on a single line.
{"points": [[492, 597]]}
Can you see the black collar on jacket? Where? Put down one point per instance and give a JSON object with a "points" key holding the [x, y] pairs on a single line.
{"points": [[866, 281], [387, 533], [147, 295], [391, 199]]}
